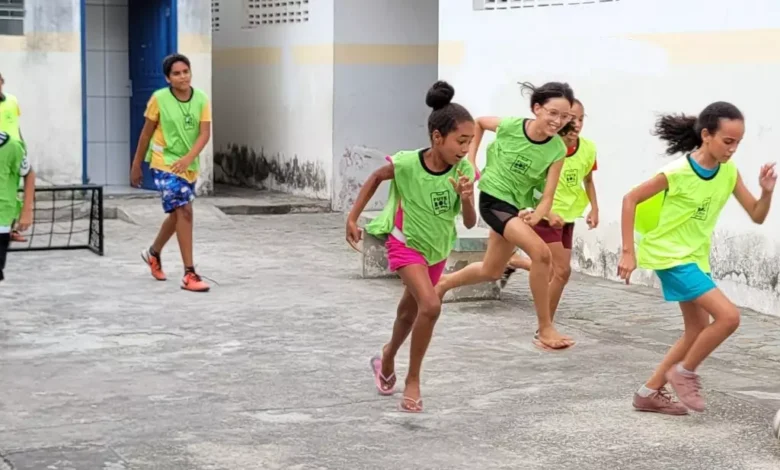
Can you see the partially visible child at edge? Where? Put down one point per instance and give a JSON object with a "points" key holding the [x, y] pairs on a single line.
{"points": [[14, 164], [178, 126], [675, 213], [429, 189], [525, 154], [576, 189], [9, 123]]}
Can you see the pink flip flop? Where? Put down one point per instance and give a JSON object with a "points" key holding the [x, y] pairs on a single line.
{"points": [[380, 381], [416, 405]]}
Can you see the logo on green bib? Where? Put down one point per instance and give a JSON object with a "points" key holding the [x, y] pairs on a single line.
{"points": [[440, 202], [570, 176], [702, 211], [189, 122], [521, 165]]}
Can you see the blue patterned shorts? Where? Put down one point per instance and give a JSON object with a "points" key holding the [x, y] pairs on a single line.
{"points": [[175, 191]]}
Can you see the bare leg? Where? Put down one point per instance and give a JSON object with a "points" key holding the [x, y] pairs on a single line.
{"points": [[499, 250], [696, 320], [418, 282], [561, 268], [520, 262], [404, 320], [167, 230], [184, 234], [726, 322]]}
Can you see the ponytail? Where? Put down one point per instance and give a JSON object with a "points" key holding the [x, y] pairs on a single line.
{"points": [[682, 133]]}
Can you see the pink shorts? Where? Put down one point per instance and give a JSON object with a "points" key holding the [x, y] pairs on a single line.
{"points": [[399, 255]]}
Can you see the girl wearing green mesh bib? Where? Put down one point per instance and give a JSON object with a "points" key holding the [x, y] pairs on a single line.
{"points": [[429, 188], [675, 213], [526, 154]]}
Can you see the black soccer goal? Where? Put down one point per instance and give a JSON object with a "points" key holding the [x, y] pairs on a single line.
{"points": [[65, 218]]}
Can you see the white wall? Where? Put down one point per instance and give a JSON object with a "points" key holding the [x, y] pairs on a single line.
{"points": [[273, 96], [194, 28], [385, 61], [108, 93], [628, 61], [42, 68]]}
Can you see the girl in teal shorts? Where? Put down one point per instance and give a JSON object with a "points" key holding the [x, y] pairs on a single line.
{"points": [[675, 214]]}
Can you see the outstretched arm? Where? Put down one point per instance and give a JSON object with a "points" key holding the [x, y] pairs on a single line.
{"points": [[634, 197], [367, 191], [757, 209], [488, 123], [545, 204]]}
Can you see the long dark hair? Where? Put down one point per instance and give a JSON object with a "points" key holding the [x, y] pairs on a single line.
{"points": [[682, 133]]}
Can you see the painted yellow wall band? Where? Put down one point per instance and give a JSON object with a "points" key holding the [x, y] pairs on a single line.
{"points": [[239, 56], [41, 42], [385, 54], [757, 46], [451, 53], [194, 43]]}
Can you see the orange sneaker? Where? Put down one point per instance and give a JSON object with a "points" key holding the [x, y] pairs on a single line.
{"points": [[155, 265], [193, 283]]}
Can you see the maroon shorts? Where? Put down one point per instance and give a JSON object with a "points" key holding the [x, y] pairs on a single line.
{"points": [[549, 234]]}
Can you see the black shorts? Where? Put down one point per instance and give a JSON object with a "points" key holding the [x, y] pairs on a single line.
{"points": [[5, 241], [495, 212]]}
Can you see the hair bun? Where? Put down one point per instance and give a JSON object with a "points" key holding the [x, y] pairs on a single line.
{"points": [[439, 95]]}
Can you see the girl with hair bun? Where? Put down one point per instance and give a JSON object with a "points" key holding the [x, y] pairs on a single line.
{"points": [[675, 213], [429, 188]]}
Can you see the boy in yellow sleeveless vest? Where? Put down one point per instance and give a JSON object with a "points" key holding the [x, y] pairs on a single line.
{"points": [[177, 128], [575, 191], [9, 123], [675, 213]]}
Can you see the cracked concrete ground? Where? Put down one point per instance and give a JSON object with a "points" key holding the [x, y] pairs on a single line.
{"points": [[105, 368]]}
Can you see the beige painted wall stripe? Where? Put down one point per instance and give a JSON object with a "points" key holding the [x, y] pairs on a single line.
{"points": [[41, 42], [326, 54], [757, 46], [451, 53], [247, 56], [385, 54], [194, 43]]}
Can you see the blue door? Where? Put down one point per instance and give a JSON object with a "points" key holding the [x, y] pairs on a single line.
{"points": [[152, 36]]}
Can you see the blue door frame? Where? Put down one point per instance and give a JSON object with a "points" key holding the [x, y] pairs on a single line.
{"points": [[152, 35]]}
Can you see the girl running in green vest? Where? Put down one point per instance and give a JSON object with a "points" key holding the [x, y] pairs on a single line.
{"points": [[575, 191], [675, 213], [429, 188], [14, 165], [525, 154]]}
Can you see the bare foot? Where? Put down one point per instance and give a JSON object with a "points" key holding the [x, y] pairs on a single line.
{"points": [[411, 401], [552, 339]]}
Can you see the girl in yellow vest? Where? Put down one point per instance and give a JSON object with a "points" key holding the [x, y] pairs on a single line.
{"points": [[674, 213], [9, 123], [525, 154], [429, 188], [575, 191], [177, 128]]}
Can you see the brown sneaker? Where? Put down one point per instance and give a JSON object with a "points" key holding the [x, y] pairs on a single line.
{"points": [[687, 388], [659, 402]]}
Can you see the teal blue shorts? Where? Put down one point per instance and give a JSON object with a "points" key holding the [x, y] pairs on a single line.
{"points": [[684, 283]]}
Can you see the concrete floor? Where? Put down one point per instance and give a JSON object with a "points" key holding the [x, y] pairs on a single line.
{"points": [[105, 368]]}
